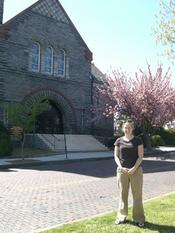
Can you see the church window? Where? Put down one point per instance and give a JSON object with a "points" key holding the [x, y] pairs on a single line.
{"points": [[35, 65], [61, 63], [48, 63]]}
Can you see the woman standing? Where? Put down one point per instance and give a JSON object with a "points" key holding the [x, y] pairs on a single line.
{"points": [[128, 156]]}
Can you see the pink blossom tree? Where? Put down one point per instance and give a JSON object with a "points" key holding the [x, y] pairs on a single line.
{"points": [[147, 98]]}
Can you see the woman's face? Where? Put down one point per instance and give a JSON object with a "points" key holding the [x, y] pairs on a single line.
{"points": [[128, 128]]}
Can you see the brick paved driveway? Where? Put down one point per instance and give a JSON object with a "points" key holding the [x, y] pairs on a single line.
{"points": [[43, 196]]}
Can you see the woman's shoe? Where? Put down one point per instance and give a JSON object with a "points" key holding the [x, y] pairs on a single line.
{"points": [[120, 221], [140, 224]]}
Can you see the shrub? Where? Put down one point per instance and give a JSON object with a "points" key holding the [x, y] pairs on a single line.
{"points": [[5, 142], [156, 140], [168, 135]]}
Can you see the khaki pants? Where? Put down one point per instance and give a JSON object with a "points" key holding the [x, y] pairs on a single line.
{"points": [[136, 182]]}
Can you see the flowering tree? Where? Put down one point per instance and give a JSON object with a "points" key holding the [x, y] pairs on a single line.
{"points": [[148, 99]]}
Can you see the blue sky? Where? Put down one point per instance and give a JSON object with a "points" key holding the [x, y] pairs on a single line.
{"points": [[118, 32]]}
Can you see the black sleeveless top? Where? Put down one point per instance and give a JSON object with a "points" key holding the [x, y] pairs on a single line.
{"points": [[128, 151]]}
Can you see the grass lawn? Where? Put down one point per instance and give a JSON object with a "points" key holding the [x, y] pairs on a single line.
{"points": [[160, 217]]}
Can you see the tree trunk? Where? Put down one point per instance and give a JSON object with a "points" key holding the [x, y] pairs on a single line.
{"points": [[148, 142], [22, 146]]}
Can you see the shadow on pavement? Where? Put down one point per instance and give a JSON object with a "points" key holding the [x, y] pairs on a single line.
{"points": [[151, 166], [100, 168]]}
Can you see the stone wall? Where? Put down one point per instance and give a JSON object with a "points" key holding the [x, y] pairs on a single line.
{"points": [[19, 82]]}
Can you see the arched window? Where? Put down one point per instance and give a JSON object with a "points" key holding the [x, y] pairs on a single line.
{"points": [[48, 60], [61, 63], [35, 57]]}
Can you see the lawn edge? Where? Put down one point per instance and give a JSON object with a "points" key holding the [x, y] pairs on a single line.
{"points": [[97, 215]]}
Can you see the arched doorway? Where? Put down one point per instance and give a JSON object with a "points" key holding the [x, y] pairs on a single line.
{"points": [[50, 121], [60, 111]]}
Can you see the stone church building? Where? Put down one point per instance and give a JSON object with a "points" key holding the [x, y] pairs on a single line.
{"points": [[43, 57]]}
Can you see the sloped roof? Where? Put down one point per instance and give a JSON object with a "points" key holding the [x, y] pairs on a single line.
{"points": [[52, 9], [98, 75], [48, 8]]}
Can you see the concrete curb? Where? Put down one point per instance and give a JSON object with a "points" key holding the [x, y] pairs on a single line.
{"points": [[39, 162], [19, 163]]}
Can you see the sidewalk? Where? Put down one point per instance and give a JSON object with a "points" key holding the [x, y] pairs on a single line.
{"points": [[163, 152], [13, 162]]}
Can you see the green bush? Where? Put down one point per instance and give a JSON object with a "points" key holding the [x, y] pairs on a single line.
{"points": [[168, 136], [156, 140], [5, 142]]}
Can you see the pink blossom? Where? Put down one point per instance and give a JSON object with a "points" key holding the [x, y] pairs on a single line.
{"points": [[147, 97]]}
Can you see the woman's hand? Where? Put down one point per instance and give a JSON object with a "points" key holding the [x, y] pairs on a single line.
{"points": [[131, 171], [124, 170]]}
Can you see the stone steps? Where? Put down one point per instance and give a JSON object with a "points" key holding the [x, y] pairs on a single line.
{"points": [[74, 143]]}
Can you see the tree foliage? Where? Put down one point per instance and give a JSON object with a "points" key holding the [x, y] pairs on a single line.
{"points": [[148, 98], [23, 115], [6, 147], [22, 118], [165, 28]]}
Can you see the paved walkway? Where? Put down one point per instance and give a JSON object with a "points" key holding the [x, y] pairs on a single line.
{"points": [[37, 197], [13, 162], [16, 162]]}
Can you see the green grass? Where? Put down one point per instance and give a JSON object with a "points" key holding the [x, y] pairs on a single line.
{"points": [[160, 218]]}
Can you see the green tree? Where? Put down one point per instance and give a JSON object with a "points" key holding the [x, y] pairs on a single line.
{"points": [[165, 27], [6, 147], [22, 119]]}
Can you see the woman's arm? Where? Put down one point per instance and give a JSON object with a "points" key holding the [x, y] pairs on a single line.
{"points": [[139, 160], [116, 156]]}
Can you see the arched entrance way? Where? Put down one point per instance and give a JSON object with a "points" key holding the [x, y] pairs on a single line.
{"points": [[50, 121], [60, 115]]}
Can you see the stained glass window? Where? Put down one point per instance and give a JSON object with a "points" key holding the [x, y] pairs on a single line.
{"points": [[35, 65], [61, 63], [48, 62]]}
